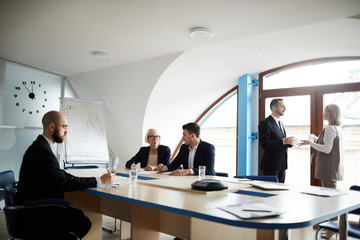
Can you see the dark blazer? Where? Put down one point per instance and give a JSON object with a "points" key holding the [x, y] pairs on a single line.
{"points": [[275, 152], [204, 156], [41, 177], [142, 156]]}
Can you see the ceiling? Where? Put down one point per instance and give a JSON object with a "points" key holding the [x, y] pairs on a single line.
{"points": [[59, 36]]}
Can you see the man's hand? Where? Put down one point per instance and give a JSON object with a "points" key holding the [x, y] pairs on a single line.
{"points": [[289, 140], [107, 178], [161, 168], [148, 168], [183, 172]]}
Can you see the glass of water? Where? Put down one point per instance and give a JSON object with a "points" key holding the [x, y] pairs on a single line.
{"points": [[133, 175], [202, 170]]}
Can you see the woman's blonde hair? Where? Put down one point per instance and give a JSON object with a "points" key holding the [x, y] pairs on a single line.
{"points": [[335, 114], [148, 132]]}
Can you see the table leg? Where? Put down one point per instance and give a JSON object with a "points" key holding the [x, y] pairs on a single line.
{"points": [[343, 226], [144, 223], [283, 234]]}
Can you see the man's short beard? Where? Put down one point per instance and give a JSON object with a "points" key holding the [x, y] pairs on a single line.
{"points": [[56, 137]]}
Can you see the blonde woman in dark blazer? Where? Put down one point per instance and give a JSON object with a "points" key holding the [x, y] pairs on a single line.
{"points": [[149, 157], [329, 150]]}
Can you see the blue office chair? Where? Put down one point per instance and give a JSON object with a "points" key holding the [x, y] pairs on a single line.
{"points": [[353, 226], [222, 174], [267, 178], [14, 213], [5, 178]]}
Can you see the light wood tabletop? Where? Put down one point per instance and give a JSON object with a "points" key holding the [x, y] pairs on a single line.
{"points": [[168, 204]]}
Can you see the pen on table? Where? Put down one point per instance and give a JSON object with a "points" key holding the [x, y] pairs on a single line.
{"points": [[255, 210]]}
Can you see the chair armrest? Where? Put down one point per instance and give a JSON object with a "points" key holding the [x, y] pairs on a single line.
{"points": [[47, 202]]}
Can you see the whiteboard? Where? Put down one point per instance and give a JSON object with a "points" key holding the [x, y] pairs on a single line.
{"points": [[85, 141]]}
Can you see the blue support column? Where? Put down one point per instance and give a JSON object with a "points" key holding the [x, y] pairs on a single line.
{"points": [[245, 137]]}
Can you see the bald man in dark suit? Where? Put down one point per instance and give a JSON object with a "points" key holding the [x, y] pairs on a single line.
{"points": [[41, 178]]}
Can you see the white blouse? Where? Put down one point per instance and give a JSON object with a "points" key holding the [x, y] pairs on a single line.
{"points": [[329, 136]]}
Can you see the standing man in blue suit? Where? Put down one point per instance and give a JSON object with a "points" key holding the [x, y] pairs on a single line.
{"points": [[193, 153], [272, 138]]}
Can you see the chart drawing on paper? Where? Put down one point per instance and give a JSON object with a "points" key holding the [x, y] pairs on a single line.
{"points": [[86, 138]]}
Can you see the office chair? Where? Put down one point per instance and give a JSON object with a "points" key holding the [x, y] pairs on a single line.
{"points": [[14, 213], [333, 226], [222, 174], [267, 178], [5, 178]]}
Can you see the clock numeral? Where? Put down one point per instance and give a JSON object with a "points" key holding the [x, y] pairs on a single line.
{"points": [[32, 82], [44, 92], [17, 88], [45, 99], [37, 111], [39, 84], [43, 106], [24, 83], [23, 110], [15, 95], [30, 112], [17, 104]]}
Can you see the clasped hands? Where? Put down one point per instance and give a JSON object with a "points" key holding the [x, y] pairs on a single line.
{"points": [[179, 172]]}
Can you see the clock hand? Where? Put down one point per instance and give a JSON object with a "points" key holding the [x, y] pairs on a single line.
{"points": [[26, 88]]}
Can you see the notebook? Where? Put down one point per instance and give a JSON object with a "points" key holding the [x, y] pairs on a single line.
{"points": [[268, 186]]}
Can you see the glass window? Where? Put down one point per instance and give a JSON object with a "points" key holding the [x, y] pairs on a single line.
{"points": [[218, 127], [314, 75], [26, 94]]}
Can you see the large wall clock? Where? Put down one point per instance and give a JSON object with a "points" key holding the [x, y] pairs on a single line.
{"points": [[30, 97], [26, 94]]}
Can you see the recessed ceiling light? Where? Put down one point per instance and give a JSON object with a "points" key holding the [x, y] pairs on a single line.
{"points": [[101, 55], [201, 33]]}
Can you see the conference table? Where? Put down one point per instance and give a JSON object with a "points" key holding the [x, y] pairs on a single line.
{"points": [[168, 204]]}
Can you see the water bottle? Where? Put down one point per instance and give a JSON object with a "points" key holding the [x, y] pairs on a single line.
{"points": [[133, 175]]}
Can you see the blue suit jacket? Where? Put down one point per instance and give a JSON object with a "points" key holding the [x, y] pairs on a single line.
{"points": [[275, 152], [204, 156], [142, 156]]}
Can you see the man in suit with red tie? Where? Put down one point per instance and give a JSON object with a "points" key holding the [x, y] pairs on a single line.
{"points": [[272, 138]]}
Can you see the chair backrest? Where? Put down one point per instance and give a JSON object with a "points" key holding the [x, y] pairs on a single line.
{"points": [[355, 188], [13, 223], [222, 174], [6, 177], [267, 178], [9, 195]]}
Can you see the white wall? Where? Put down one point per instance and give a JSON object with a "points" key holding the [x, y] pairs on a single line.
{"points": [[125, 90]]}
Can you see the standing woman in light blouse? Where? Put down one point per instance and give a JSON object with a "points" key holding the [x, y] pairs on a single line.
{"points": [[149, 157], [329, 149]]}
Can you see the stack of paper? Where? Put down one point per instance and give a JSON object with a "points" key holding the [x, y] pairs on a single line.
{"points": [[255, 210]]}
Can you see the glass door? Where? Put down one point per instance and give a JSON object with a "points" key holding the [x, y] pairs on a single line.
{"points": [[297, 123]]}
